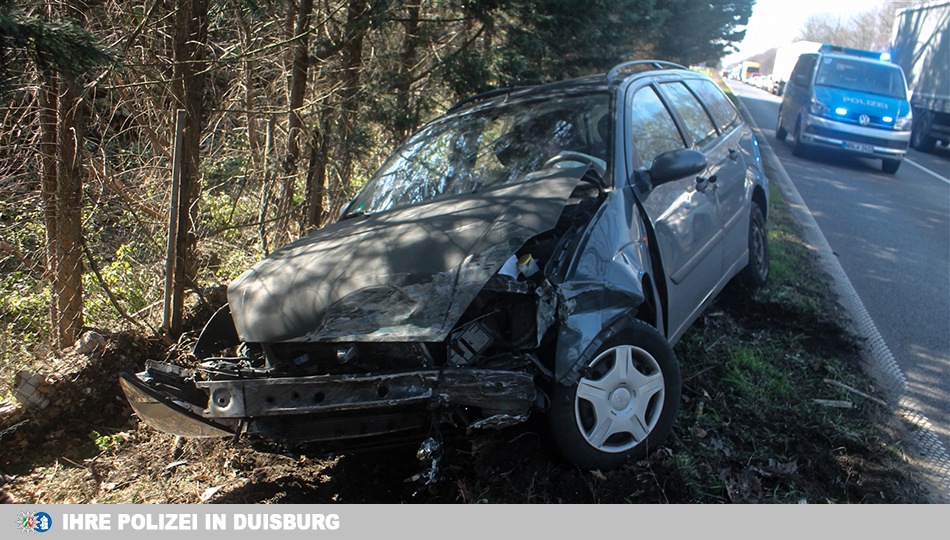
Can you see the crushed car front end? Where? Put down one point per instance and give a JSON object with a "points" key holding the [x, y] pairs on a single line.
{"points": [[439, 298], [447, 329]]}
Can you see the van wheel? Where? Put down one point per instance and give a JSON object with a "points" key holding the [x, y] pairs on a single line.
{"points": [[890, 166], [780, 132], [624, 403], [799, 150]]}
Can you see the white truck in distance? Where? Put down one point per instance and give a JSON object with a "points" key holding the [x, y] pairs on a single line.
{"points": [[785, 59]]}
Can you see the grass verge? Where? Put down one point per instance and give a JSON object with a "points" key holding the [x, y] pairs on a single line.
{"points": [[775, 409]]}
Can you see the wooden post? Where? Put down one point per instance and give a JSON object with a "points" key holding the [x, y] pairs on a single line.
{"points": [[171, 254]]}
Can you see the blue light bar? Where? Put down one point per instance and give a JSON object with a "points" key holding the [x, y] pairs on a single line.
{"points": [[829, 48]]}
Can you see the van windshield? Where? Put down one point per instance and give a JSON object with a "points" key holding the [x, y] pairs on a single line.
{"points": [[871, 77]]}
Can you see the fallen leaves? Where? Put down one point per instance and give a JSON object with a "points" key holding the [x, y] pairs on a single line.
{"points": [[745, 486]]}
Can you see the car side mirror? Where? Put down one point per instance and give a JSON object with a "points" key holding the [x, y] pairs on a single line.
{"points": [[800, 80], [676, 164]]}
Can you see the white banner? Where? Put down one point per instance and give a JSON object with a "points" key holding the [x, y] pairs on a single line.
{"points": [[460, 522]]}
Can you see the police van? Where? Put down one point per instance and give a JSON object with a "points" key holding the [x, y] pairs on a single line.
{"points": [[849, 100]]}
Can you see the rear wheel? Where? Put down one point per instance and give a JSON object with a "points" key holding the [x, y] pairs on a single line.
{"points": [[890, 166], [780, 132], [918, 136], [624, 403], [756, 273]]}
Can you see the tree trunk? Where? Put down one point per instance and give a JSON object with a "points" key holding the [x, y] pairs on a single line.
{"points": [[297, 89], [48, 90], [190, 37], [316, 177], [253, 137], [298, 84], [407, 120], [355, 31], [67, 288], [61, 141]]}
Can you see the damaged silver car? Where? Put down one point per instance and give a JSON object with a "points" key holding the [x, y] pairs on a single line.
{"points": [[533, 251]]}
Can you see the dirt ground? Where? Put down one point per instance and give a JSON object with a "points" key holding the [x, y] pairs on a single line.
{"points": [[91, 448]]}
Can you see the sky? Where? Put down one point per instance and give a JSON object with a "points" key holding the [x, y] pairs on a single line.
{"points": [[777, 22]]}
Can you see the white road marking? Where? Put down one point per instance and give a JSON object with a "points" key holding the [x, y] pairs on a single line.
{"points": [[928, 171]]}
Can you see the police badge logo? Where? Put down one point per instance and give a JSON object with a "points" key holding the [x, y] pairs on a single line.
{"points": [[30, 522]]}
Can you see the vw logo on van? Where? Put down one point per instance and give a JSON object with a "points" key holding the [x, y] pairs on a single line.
{"points": [[864, 119]]}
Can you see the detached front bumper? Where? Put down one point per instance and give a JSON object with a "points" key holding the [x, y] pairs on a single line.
{"points": [[165, 413], [323, 407]]}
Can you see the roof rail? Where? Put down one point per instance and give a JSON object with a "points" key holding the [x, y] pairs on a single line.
{"points": [[655, 64], [486, 95]]}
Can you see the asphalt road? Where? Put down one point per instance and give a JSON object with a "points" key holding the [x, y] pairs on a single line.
{"points": [[891, 234]]}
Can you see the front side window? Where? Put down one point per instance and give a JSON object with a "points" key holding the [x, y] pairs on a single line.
{"points": [[653, 129], [485, 147]]}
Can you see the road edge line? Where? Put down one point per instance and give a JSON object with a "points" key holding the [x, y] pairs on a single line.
{"points": [[928, 171], [883, 368]]}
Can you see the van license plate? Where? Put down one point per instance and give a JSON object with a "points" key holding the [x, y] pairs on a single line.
{"points": [[863, 148]]}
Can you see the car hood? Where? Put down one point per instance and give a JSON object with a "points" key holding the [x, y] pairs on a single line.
{"points": [[402, 275]]}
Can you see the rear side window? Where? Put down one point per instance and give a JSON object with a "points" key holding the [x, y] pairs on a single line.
{"points": [[654, 131], [698, 123], [724, 113]]}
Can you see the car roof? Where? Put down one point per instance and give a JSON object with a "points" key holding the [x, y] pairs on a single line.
{"points": [[581, 85]]}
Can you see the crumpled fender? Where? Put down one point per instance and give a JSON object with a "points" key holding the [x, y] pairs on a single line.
{"points": [[602, 284]]}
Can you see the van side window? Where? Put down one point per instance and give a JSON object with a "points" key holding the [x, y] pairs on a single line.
{"points": [[653, 129], [724, 113], [805, 66], [698, 123]]}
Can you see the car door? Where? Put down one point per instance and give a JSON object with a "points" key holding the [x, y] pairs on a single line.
{"points": [[730, 152], [684, 217]]}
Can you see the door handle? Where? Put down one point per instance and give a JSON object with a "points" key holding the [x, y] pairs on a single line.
{"points": [[703, 182], [734, 154]]}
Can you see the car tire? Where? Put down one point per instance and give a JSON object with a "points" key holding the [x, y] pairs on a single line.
{"points": [[890, 166], [623, 404], [756, 273], [780, 132], [918, 134], [799, 149]]}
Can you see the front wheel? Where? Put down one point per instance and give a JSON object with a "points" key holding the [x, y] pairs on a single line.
{"points": [[890, 166], [799, 149], [624, 403]]}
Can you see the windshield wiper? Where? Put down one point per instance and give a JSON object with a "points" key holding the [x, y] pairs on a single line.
{"points": [[361, 213]]}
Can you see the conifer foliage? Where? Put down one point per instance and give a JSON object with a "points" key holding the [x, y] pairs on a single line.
{"points": [[290, 106]]}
